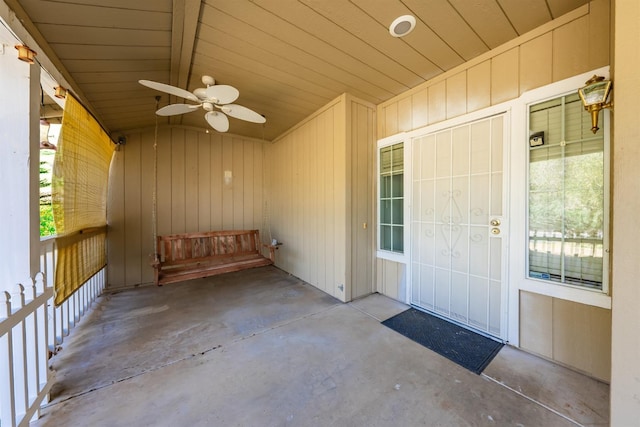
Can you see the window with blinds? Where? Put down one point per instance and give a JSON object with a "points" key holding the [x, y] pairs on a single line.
{"points": [[391, 214], [567, 195]]}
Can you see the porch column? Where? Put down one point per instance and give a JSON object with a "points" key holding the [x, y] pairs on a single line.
{"points": [[19, 166], [625, 288]]}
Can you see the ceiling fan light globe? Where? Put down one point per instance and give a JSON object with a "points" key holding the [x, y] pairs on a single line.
{"points": [[200, 93], [208, 81]]}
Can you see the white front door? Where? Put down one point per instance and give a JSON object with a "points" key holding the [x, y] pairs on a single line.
{"points": [[458, 226]]}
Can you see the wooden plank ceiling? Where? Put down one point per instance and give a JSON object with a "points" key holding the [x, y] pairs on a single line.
{"points": [[286, 57]]}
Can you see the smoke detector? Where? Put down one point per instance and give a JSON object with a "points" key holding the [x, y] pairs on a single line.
{"points": [[402, 26]]}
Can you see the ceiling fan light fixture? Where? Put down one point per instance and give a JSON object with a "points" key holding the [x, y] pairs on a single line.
{"points": [[402, 25], [200, 93]]}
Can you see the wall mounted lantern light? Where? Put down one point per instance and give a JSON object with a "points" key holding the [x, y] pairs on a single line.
{"points": [[594, 97]]}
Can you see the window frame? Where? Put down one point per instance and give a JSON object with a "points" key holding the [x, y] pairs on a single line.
{"points": [[519, 242], [606, 198], [400, 257]]}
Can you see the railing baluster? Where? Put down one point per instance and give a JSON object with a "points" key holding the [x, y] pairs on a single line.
{"points": [[20, 359], [7, 395]]}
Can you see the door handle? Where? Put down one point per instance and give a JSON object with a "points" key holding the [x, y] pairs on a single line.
{"points": [[495, 222]]}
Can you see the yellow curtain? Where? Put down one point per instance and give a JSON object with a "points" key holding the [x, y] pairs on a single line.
{"points": [[79, 198]]}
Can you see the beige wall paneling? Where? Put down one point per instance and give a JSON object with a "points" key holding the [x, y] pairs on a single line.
{"points": [[573, 334], [340, 200], [191, 182], [420, 108], [360, 262], [536, 323], [437, 103], [581, 337], [295, 218], [116, 221], [457, 95], [216, 177], [390, 279], [504, 76], [227, 187], [536, 63], [165, 175], [237, 182], [178, 214], [571, 49], [133, 216], [390, 119], [327, 146], [479, 86], [405, 115], [146, 203], [316, 177], [600, 34], [258, 190], [311, 183], [205, 186]]}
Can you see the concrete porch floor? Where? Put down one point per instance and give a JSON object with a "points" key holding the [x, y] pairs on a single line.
{"points": [[262, 348]]}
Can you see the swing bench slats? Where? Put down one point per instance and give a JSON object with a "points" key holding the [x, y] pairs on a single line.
{"points": [[194, 255]]}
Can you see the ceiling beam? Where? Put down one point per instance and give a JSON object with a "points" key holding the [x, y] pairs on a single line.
{"points": [[183, 35]]}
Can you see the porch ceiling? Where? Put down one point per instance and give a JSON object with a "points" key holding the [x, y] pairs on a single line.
{"points": [[286, 57]]}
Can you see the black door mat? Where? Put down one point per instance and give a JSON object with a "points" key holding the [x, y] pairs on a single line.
{"points": [[462, 346]]}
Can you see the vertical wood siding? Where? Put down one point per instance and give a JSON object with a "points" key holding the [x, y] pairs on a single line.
{"points": [[573, 334], [192, 195], [319, 193]]}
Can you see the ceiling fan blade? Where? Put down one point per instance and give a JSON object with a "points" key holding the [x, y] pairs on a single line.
{"points": [[242, 113], [172, 90], [223, 94], [218, 121], [175, 109]]}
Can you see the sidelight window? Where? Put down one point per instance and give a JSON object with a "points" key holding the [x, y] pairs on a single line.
{"points": [[391, 198]]}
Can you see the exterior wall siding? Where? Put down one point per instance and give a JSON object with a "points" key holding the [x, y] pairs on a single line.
{"points": [[320, 198], [191, 194], [572, 44]]}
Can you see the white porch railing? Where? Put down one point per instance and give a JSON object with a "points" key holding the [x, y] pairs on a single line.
{"points": [[31, 329]]}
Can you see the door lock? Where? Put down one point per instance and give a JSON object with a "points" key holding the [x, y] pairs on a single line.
{"points": [[495, 222]]}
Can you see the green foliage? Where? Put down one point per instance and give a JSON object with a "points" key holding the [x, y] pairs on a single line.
{"points": [[566, 196], [47, 226]]}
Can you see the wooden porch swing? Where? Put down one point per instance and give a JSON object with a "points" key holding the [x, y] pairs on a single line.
{"points": [[186, 256]]}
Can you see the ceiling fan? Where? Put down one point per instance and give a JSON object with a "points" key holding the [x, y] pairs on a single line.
{"points": [[213, 96]]}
